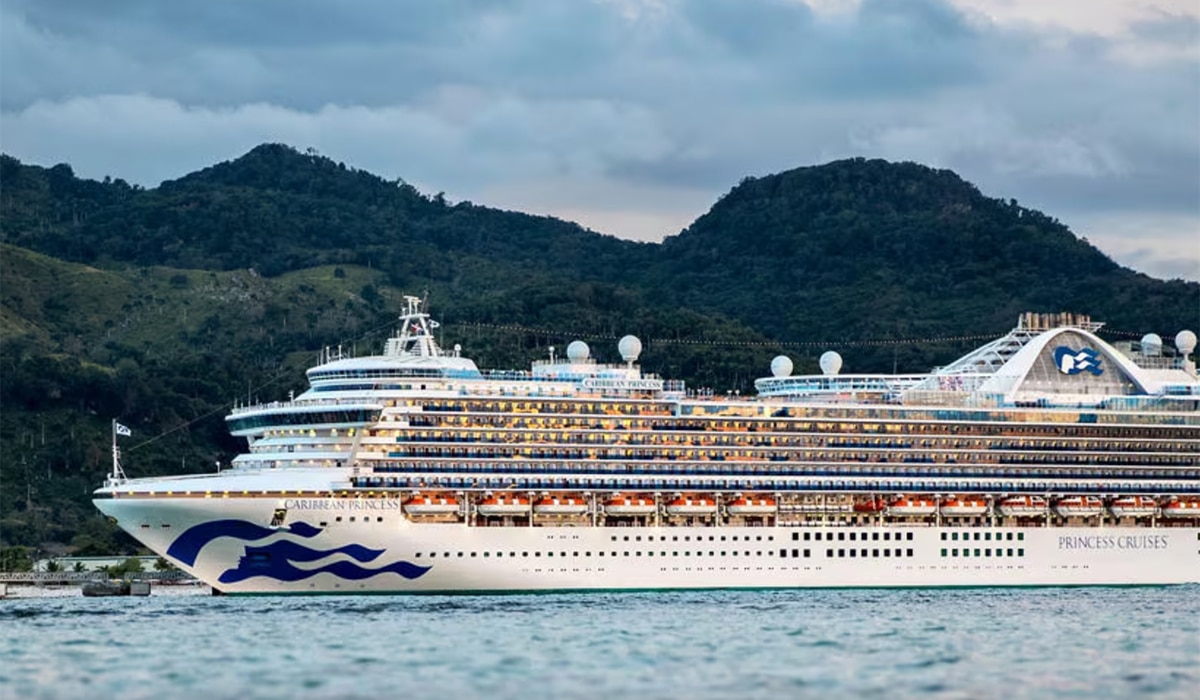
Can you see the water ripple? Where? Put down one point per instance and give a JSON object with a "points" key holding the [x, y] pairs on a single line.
{"points": [[1093, 643]]}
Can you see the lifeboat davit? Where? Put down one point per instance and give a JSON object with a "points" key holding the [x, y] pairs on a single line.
{"points": [[912, 506], [692, 505], [629, 505], [875, 505], [560, 505], [752, 505], [432, 504], [1133, 507], [1181, 508], [1079, 506], [954, 507], [1023, 506], [503, 505]]}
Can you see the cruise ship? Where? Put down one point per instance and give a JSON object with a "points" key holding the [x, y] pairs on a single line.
{"points": [[1047, 457]]}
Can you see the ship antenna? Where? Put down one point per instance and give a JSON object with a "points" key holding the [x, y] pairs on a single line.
{"points": [[117, 476]]}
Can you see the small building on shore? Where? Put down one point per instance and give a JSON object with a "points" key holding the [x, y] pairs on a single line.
{"points": [[92, 563]]}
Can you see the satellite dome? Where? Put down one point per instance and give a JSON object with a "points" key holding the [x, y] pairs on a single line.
{"points": [[781, 366], [831, 363], [1185, 341], [1152, 345], [629, 347], [578, 351]]}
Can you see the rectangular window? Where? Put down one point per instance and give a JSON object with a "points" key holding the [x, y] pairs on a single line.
{"points": [[841, 553], [943, 552], [829, 552], [783, 553], [954, 536], [1020, 552], [807, 553], [910, 536], [806, 536], [874, 552], [908, 553], [976, 552], [954, 552], [795, 536], [1009, 552], [987, 552], [1020, 536], [943, 536]]}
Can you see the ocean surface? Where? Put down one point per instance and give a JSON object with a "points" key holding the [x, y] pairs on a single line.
{"points": [[981, 643]]}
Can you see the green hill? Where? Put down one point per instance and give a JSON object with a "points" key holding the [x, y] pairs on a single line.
{"points": [[871, 249]]}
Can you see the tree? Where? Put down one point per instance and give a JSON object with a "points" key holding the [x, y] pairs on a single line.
{"points": [[15, 559]]}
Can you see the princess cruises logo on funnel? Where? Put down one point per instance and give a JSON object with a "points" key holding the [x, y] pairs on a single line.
{"points": [[1071, 361]]}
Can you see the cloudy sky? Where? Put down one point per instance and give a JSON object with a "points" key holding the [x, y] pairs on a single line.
{"points": [[633, 116]]}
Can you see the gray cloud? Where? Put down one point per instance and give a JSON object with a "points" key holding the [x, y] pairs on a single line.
{"points": [[538, 102]]}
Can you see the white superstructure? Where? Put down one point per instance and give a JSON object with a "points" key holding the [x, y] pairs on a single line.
{"points": [[1048, 457]]}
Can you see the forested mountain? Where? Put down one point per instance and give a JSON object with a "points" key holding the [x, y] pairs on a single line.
{"points": [[161, 306], [867, 248]]}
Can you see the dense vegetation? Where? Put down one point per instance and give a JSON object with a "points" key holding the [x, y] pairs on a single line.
{"points": [[162, 306]]}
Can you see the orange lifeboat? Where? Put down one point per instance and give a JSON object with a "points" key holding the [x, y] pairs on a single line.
{"points": [[1181, 508], [954, 507], [909, 506], [1133, 507], [1079, 506], [752, 505], [1023, 506], [560, 505], [875, 505], [692, 505], [629, 505], [504, 504], [431, 504]]}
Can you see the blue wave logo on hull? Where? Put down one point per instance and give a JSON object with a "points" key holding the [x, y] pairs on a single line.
{"points": [[187, 546], [276, 561], [1070, 361]]}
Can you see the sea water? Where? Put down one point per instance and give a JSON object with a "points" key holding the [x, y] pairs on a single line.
{"points": [[983, 643]]}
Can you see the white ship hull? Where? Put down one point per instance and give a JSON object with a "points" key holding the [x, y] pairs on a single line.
{"points": [[381, 551]]}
